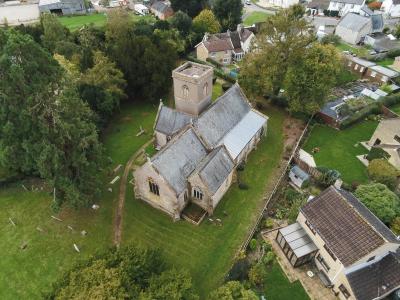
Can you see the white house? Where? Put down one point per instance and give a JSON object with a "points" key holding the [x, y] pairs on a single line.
{"points": [[282, 3], [346, 6], [391, 8]]}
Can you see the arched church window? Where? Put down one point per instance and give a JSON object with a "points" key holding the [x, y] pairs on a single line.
{"points": [[205, 89], [154, 187], [185, 91], [197, 193]]}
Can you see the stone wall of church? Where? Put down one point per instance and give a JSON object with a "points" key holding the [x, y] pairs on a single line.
{"points": [[167, 200]]}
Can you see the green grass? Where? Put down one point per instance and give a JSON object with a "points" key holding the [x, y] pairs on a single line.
{"points": [[386, 62], [278, 287], [75, 22], [255, 17], [25, 274], [217, 90], [359, 51], [338, 149], [207, 251], [396, 109]]}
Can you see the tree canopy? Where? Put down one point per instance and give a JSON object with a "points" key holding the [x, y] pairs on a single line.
{"points": [[232, 290], [126, 273], [380, 200], [190, 7], [380, 170], [206, 22], [228, 13]]}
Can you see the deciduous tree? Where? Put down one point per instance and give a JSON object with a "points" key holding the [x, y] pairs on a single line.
{"points": [[182, 22], [191, 7], [228, 13], [232, 290], [206, 22], [380, 170]]}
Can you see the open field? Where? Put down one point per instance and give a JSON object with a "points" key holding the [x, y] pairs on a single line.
{"points": [[25, 274], [338, 149], [255, 17], [207, 251], [98, 20]]}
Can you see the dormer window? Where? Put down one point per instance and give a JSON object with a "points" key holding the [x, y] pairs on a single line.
{"points": [[185, 91]]}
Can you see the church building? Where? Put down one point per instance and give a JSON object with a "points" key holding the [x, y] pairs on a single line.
{"points": [[200, 143]]}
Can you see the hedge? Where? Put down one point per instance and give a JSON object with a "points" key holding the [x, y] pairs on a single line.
{"points": [[373, 108], [214, 62], [391, 100]]}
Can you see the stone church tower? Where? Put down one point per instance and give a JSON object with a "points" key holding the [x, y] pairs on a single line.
{"points": [[192, 87]]}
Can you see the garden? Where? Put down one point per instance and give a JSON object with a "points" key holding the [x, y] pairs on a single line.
{"points": [[255, 17]]}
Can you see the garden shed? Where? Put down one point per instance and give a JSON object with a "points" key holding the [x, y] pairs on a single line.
{"points": [[298, 176]]}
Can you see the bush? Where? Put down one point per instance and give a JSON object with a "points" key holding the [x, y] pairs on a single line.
{"points": [[257, 274], [268, 258], [239, 270], [223, 75], [332, 39], [214, 62], [373, 108], [395, 225], [328, 176], [253, 244], [377, 153], [241, 166], [269, 223], [390, 100], [380, 170], [291, 194], [393, 53]]}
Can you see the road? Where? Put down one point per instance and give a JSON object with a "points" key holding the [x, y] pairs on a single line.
{"points": [[249, 8]]}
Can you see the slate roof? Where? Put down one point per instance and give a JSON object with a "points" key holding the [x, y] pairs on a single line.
{"points": [[361, 62], [179, 159], [227, 40], [344, 230], [377, 22], [170, 121], [330, 109], [357, 2], [229, 109], [160, 6], [385, 71], [378, 279], [353, 22], [215, 168]]}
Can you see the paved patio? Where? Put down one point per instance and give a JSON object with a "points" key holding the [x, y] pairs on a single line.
{"points": [[313, 286]]}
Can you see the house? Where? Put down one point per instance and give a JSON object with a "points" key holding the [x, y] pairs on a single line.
{"points": [[387, 137], [281, 3], [317, 7], [298, 176], [225, 47], [62, 7], [391, 8], [353, 27], [348, 245], [381, 74], [346, 6], [331, 113], [201, 144], [381, 42], [162, 10]]}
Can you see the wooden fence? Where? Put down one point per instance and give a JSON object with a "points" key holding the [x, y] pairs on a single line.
{"points": [[305, 167]]}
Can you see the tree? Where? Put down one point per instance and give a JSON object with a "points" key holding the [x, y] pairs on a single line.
{"points": [[380, 200], [102, 86], [53, 31], [309, 80], [395, 225], [332, 39], [47, 129], [295, 208], [228, 13], [182, 22], [257, 274], [126, 273], [190, 7], [285, 38], [206, 22], [380, 170], [232, 290]]}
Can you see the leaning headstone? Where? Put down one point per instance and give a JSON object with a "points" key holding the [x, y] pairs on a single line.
{"points": [[83, 232]]}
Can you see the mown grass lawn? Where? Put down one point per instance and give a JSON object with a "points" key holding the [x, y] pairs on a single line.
{"points": [[386, 62], [359, 51], [338, 149], [278, 286], [255, 17], [207, 251], [25, 274], [217, 90], [396, 108]]}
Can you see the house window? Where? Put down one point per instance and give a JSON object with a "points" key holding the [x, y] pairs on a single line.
{"points": [[197, 193], [397, 138], [356, 67], [323, 262], [349, 64], [205, 89], [330, 252], [226, 60], [373, 74], [310, 227], [154, 187], [185, 91], [361, 69], [344, 291], [384, 78]]}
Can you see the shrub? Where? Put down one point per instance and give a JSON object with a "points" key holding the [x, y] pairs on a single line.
{"points": [[373, 108], [330, 39], [257, 274], [393, 53], [390, 100], [241, 166], [376, 153], [226, 86], [269, 223], [224, 76], [328, 176], [253, 244], [395, 225], [268, 258], [380, 170], [239, 270], [291, 194], [214, 62], [294, 209], [266, 246]]}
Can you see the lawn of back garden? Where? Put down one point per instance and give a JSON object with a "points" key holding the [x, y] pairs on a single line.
{"points": [[338, 149]]}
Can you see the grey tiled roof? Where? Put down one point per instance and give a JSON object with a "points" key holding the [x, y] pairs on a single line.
{"points": [[358, 2], [377, 23], [179, 159], [170, 121], [222, 116], [378, 279], [215, 168], [353, 22], [343, 229], [377, 224], [160, 6]]}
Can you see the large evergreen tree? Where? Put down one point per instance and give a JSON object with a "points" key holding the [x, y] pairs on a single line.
{"points": [[46, 129], [228, 13], [191, 7]]}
